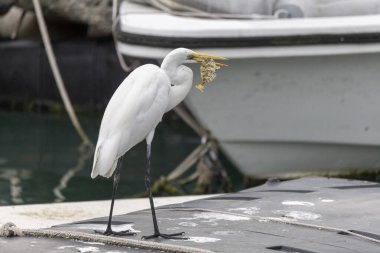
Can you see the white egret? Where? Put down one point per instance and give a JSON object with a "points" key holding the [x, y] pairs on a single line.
{"points": [[134, 111]]}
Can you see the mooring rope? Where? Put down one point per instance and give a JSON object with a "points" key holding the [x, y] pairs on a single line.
{"points": [[11, 230], [57, 74], [278, 220]]}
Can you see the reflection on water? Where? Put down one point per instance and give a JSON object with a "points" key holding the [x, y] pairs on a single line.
{"points": [[14, 178], [83, 157], [40, 161]]}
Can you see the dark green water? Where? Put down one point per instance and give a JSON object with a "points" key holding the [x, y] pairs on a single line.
{"points": [[40, 161]]}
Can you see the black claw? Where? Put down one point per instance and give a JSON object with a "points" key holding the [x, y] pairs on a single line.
{"points": [[175, 236], [115, 233]]}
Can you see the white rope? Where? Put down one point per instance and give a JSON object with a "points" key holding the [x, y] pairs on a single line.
{"points": [[10, 230], [120, 57], [115, 11], [57, 74]]}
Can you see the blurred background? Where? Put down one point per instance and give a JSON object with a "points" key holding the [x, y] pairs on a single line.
{"points": [[299, 98]]}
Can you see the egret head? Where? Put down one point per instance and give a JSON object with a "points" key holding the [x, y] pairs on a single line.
{"points": [[208, 68]]}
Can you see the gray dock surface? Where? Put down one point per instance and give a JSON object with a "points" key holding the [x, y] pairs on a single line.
{"points": [[253, 220]]}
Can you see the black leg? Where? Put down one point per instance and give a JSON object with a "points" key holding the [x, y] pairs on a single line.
{"points": [[148, 187], [116, 178]]}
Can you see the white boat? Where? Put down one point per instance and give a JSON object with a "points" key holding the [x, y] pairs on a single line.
{"points": [[299, 95]]}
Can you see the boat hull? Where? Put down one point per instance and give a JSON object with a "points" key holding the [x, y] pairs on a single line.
{"points": [[299, 95], [285, 115]]}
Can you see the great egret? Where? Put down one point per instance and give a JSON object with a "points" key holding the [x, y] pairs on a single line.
{"points": [[134, 111]]}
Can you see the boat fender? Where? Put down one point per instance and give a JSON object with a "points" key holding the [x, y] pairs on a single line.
{"points": [[294, 8]]}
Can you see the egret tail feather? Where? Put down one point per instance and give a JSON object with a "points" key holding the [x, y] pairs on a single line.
{"points": [[105, 159], [94, 172]]}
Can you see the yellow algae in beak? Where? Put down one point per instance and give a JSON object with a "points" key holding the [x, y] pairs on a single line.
{"points": [[208, 68], [200, 86], [208, 72]]}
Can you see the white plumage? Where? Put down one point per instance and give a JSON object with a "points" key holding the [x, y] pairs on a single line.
{"points": [[134, 110]]}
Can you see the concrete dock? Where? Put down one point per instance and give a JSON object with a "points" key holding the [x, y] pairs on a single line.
{"points": [[308, 215], [47, 215]]}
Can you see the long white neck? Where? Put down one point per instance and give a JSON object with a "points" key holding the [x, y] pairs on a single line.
{"points": [[181, 78]]}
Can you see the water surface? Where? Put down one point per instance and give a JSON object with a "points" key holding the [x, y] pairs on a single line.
{"points": [[40, 160]]}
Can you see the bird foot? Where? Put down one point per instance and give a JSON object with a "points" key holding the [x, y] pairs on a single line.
{"points": [[115, 233], [176, 236]]}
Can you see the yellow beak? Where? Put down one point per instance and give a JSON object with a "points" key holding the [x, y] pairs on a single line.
{"points": [[216, 63], [201, 57], [207, 56]]}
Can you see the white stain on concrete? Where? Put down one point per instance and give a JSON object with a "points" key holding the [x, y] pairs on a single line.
{"points": [[65, 247], [166, 219], [297, 203], [227, 232], [87, 249], [188, 224], [212, 217], [300, 215], [172, 229], [327, 200], [246, 210], [202, 239]]}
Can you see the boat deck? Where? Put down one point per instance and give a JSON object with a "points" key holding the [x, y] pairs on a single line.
{"points": [[309, 215]]}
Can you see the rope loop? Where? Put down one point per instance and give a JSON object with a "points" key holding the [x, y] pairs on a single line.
{"points": [[9, 229]]}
